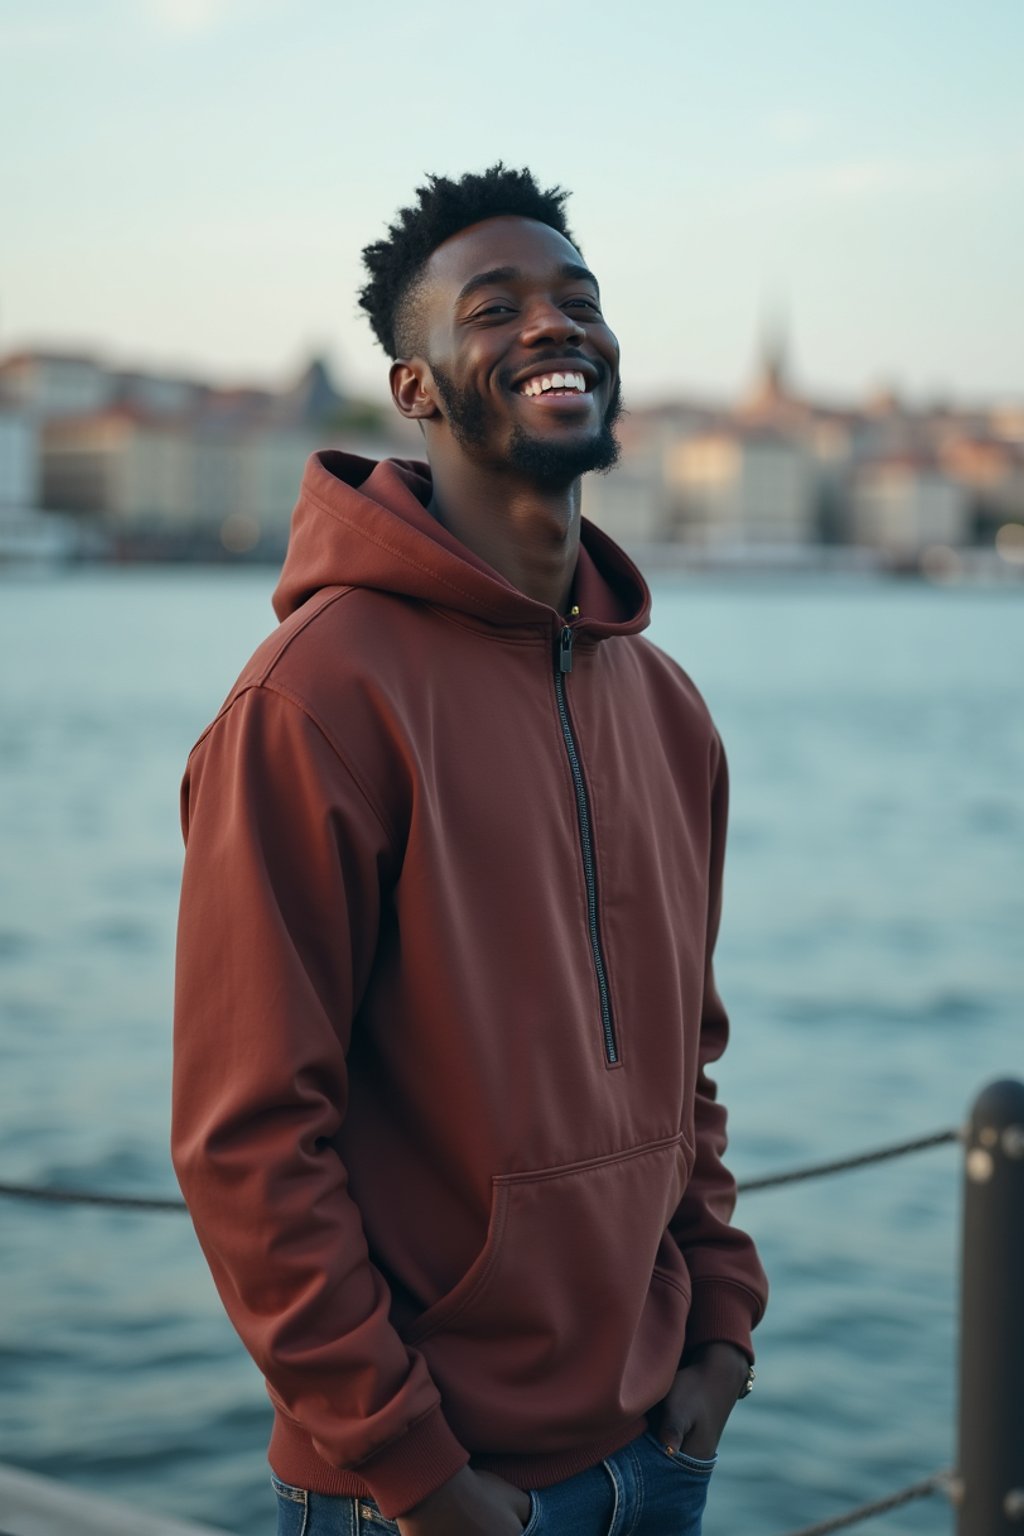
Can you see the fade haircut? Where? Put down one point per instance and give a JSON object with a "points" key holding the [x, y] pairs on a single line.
{"points": [[444, 207]]}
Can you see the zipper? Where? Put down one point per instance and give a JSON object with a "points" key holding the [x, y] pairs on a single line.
{"points": [[564, 666]]}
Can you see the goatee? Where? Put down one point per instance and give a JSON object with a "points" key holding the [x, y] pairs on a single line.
{"points": [[547, 462]]}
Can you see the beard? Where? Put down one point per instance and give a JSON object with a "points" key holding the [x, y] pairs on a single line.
{"points": [[548, 463]]}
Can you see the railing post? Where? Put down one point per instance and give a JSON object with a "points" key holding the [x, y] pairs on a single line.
{"points": [[989, 1487]]}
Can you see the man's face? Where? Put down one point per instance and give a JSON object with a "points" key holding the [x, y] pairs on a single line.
{"points": [[512, 327]]}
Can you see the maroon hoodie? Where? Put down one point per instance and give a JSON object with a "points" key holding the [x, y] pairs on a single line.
{"points": [[445, 1005]]}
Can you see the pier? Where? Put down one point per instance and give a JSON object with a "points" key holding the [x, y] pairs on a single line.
{"points": [[37, 1506]]}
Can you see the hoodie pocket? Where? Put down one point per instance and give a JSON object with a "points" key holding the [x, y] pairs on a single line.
{"points": [[570, 1322]]}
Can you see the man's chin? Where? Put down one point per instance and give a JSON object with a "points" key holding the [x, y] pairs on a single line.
{"points": [[555, 463]]}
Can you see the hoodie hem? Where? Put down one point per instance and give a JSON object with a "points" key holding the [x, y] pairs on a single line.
{"points": [[397, 1477], [435, 1456]]}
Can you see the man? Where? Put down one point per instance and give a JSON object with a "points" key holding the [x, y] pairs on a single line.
{"points": [[445, 997]]}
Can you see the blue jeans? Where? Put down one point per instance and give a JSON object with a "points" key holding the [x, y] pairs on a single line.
{"points": [[640, 1491]]}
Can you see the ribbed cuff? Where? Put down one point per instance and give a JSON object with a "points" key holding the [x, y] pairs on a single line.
{"points": [[413, 1466], [721, 1312]]}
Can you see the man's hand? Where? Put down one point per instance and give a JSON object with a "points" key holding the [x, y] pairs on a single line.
{"points": [[470, 1504], [691, 1418]]}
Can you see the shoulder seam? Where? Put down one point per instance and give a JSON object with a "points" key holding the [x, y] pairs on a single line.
{"points": [[328, 595], [272, 685], [239, 686]]}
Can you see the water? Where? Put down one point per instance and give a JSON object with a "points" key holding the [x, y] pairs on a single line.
{"points": [[871, 956]]}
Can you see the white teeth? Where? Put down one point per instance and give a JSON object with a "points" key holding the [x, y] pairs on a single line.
{"points": [[541, 384]]}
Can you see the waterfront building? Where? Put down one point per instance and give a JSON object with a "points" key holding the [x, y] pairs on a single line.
{"points": [[633, 503], [742, 485], [44, 384], [19, 460], [26, 532], [991, 474], [903, 505], [208, 482], [193, 477], [119, 466]]}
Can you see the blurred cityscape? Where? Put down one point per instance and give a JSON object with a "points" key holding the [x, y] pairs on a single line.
{"points": [[102, 462]]}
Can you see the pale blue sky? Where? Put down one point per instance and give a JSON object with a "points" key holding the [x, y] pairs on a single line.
{"points": [[188, 183]]}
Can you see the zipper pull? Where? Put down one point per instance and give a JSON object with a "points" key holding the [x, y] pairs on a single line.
{"points": [[565, 650]]}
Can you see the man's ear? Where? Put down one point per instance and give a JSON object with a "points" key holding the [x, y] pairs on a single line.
{"points": [[412, 389]]}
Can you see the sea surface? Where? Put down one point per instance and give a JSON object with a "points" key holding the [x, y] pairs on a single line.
{"points": [[872, 957]]}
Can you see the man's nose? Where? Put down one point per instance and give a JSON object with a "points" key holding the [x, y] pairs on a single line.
{"points": [[544, 320]]}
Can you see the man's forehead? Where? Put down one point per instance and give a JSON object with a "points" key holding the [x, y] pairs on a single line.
{"points": [[504, 241]]}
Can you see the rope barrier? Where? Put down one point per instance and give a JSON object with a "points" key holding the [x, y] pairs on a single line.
{"points": [[939, 1482], [62, 1195], [859, 1160], [55, 1195]]}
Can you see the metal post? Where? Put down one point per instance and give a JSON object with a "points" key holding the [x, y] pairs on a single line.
{"points": [[989, 1488]]}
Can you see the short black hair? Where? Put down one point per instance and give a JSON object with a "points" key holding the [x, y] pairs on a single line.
{"points": [[443, 208]]}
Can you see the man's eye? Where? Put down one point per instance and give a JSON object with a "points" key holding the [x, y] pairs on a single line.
{"points": [[496, 309], [590, 304]]}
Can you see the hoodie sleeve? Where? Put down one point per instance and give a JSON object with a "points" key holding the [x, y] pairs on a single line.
{"points": [[284, 865], [729, 1286]]}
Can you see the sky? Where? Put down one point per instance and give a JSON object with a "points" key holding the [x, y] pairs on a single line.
{"points": [[187, 184]]}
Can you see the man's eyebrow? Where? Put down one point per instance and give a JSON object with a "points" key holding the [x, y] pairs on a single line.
{"points": [[498, 275], [574, 269], [488, 280]]}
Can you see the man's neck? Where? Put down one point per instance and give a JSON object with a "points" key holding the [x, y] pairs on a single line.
{"points": [[530, 536]]}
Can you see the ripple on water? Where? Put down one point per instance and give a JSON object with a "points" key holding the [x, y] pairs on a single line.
{"points": [[124, 1168], [30, 1014], [994, 818], [15, 944], [132, 935], [946, 1005]]}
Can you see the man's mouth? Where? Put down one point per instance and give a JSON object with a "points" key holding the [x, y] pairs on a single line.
{"points": [[554, 384]]}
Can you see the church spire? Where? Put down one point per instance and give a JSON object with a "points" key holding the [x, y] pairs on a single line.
{"points": [[771, 387], [774, 357]]}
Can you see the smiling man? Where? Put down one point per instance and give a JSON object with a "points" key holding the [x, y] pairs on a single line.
{"points": [[445, 999]]}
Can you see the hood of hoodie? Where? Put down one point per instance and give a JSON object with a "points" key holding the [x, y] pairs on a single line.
{"points": [[359, 523]]}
